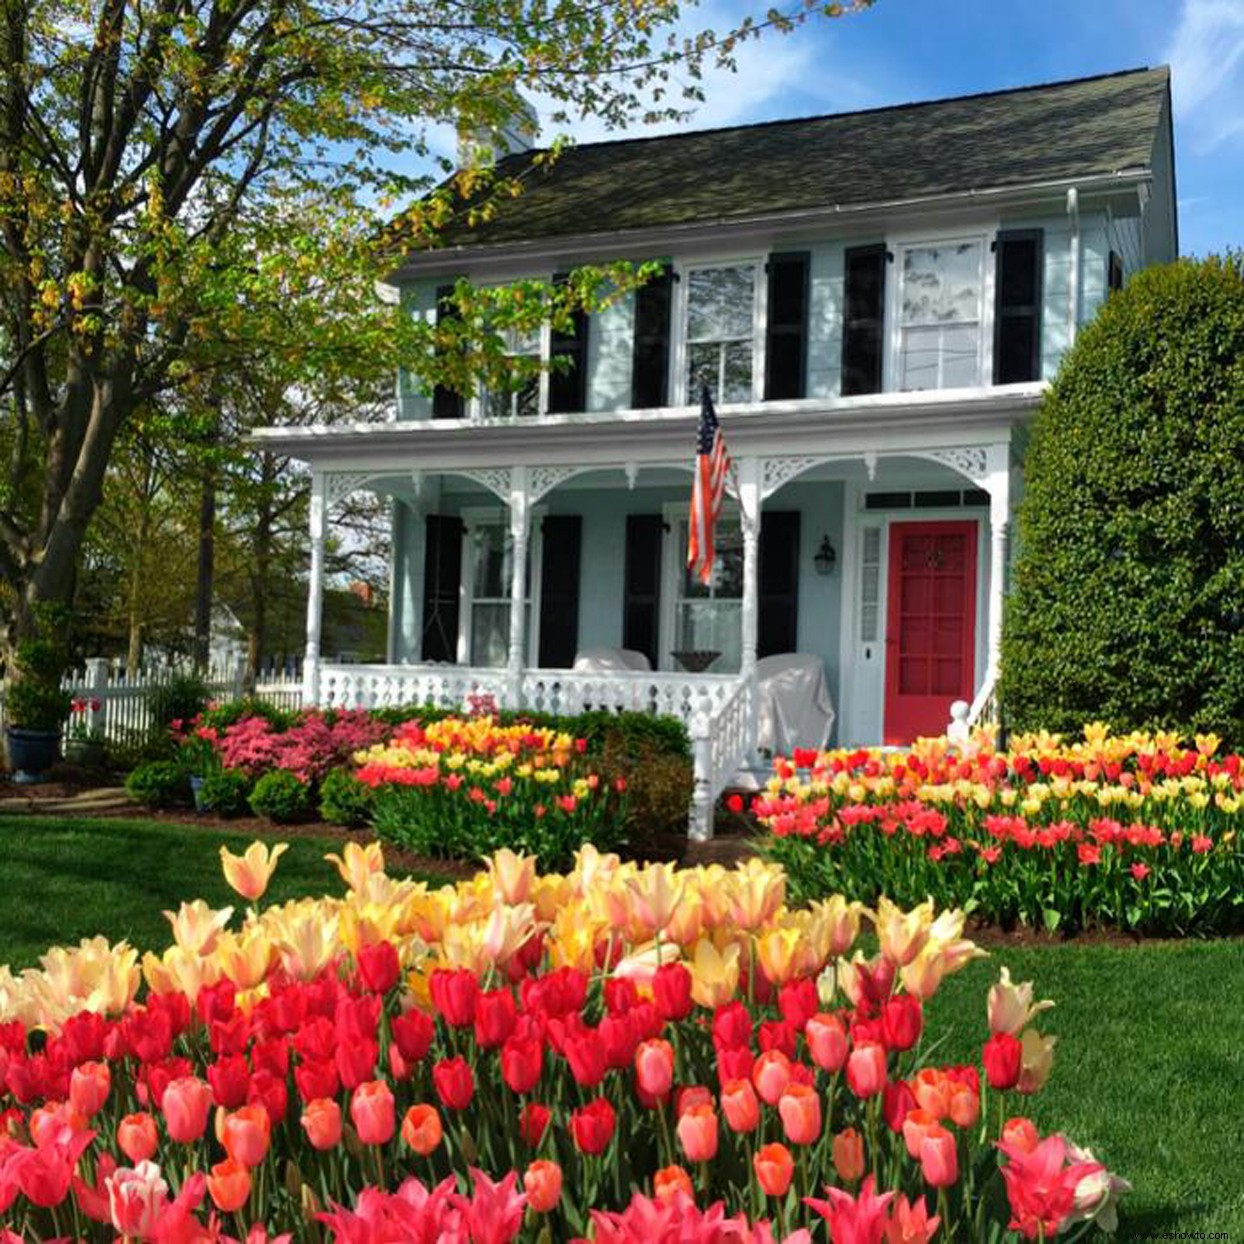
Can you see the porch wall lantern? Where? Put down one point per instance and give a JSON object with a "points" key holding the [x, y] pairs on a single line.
{"points": [[825, 559]]}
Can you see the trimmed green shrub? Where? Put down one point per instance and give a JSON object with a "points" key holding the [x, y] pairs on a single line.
{"points": [[158, 784], [226, 792], [279, 796], [1128, 595], [344, 800], [184, 696], [225, 715]]}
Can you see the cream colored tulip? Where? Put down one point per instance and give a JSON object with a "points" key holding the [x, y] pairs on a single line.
{"points": [[1010, 1007], [196, 926], [249, 874], [357, 863], [714, 974]]}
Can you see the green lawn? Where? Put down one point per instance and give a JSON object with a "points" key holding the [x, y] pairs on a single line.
{"points": [[61, 880], [1151, 1036]]}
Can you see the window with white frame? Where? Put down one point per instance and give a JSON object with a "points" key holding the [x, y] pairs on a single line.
{"points": [[524, 399], [940, 315], [720, 331], [488, 572], [709, 617]]}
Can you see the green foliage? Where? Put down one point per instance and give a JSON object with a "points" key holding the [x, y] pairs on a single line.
{"points": [[182, 697], [34, 699], [222, 716], [344, 800], [1128, 598], [659, 784], [226, 792], [158, 784], [279, 796]]}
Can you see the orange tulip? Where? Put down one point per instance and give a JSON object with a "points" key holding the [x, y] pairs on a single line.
{"points": [[89, 1086], [249, 874], [229, 1185], [771, 1075], [321, 1120], [739, 1105], [775, 1168], [246, 1134], [800, 1109], [933, 1090], [669, 1181], [542, 1182], [965, 1106], [137, 1137], [697, 1133], [916, 1126], [939, 1159], [372, 1112], [848, 1154], [827, 1042], [422, 1130], [1020, 1133]]}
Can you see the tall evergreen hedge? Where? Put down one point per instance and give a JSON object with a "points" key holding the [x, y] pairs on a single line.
{"points": [[1127, 600]]}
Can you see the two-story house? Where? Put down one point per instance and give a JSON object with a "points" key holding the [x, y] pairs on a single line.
{"points": [[879, 299]]}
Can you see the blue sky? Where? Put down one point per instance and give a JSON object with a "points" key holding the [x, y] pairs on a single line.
{"points": [[903, 50]]}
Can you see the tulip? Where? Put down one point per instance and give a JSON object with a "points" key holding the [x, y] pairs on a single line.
{"points": [[910, 1222], [933, 1089], [372, 1112], [592, 1126], [798, 1001], [965, 1106], [916, 1126], [771, 1075], [654, 1068], [137, 1137], [901, 1022], [1020, 1134], [775, 1168], [513, 876], [1010, 1007], [246, 1134], [671, 991], [454, 1082], [866, 1069], [698, 1133], [670, 1182], [249, 874], [229, 1185], [522, 1061], [800, 1111], [380, 969], [732, 1027], [89, 1086], [422, 1130], [1037, 1060], [715, 974], [939, 1159], [321, 1120], [902, 935], [136, 1199], [533, 1122], [739, 1105], [827, 1042], [185, 1104], [454, 995], [542, 1181], [496, 1017], [848, 1155]]}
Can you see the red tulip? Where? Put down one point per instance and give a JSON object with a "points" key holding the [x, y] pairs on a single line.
{"points": [[495, 1018], [775, 1168], [455, 1082], [827, 1042], [671, 991], [356, 1061], [654, 1068], [522, 1062], [732, 1026], [592, 1126], [588, 1058], [380, 969], [412, 1033], [1002, 1057], [533, 1122], [373, 1113], [798, 1002], [939, 1159], [454, 994], [902, 1021], [230, 1080], [315, 1079]]}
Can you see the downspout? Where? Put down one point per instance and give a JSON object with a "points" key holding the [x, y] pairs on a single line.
{"points": [[1073, 296]]}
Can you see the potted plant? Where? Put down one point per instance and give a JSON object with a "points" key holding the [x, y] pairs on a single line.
{"points": [[84, 739], [36, 706]]}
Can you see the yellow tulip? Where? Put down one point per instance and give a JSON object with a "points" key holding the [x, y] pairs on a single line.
{"points": [[512, 875], [244, 957], [714, 974], [1036, 1061], [654, 894], [306, 939], [356, 864], [249, 874], [754, 891], [781, 953], [835, 926], [196, 926], [1010, 1007]]}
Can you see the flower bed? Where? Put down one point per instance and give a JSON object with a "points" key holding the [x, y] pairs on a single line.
{"points": [[622, 1053], [1134, 833]]}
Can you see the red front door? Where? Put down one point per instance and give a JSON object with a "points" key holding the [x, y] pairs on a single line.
{"points": [[930, 626]]}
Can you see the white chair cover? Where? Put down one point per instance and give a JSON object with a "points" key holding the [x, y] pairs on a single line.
{"points": [[795, 709], [608, 660]]}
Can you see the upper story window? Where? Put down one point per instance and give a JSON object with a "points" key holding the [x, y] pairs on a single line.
{"points": [[525, 399], [720, 341], [940, 315]]}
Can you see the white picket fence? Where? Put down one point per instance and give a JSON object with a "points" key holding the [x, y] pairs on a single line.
{"points": [[124, 709]]}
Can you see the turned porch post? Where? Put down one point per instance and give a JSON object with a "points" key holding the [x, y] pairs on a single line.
{"points": [[998, 485], [315, 590], [749, 520], [520, 535]]}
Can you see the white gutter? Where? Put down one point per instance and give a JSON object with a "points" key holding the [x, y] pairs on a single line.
{"points": [[1073, 294], [621, 242]]}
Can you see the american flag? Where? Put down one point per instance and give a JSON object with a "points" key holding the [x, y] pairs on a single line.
{"points": [[712, 466]]}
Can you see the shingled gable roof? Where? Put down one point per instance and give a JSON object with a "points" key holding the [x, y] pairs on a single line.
{"points": [[1038, 134]]}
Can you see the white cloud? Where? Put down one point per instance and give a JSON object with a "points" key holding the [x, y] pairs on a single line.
{"points": [[1206, 55]]}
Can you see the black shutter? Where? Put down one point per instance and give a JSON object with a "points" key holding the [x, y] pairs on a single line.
{"points": [[1114, 273], [863, 318], [568, 389], [446, 404], [651, 356], [786, 342], [442, 580], [1017, 306], [777, 622], [559, 590], [641, 593]]}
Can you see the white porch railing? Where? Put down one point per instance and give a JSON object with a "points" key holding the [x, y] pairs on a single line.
{"points": [[719, 710], [983, 711]]}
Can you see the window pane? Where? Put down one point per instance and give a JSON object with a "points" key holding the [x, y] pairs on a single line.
{"points": [[960, 343], [737, 386], [703, 364], [715, 626], [490, 634], [719, 303], [527, 399], [491, 562], [918, 357], [727, 566], [941, 283]]}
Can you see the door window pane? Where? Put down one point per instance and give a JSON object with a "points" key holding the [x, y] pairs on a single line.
{"points": [[491, 572]]}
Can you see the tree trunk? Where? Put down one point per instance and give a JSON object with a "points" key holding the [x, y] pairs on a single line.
{"points": [[206, 584], [262, 562]]}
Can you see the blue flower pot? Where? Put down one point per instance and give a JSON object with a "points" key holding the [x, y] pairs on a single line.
{"points": [[31, 752]]}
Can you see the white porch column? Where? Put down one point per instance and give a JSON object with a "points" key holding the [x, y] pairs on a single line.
{"points": [[520, 535], [315, 590], [749, 473], [998, 485]]}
